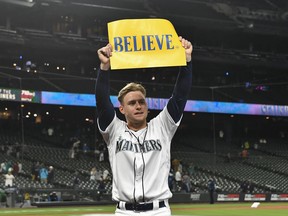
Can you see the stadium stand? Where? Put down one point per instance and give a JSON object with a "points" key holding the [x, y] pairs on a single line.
{"points": [[239, 57]]}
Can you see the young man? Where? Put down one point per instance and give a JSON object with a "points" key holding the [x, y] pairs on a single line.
{"points": [[139, 151]]}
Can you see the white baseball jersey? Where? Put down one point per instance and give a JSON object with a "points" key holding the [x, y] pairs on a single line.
{"points": [[9, 180], [140, 161]]}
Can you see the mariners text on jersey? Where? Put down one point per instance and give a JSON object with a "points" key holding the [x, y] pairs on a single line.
{"points": [[147, 146]]}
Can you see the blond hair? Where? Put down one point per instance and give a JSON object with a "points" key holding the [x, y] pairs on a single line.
{"points": [[129, 88]]}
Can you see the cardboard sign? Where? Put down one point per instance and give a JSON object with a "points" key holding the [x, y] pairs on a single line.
{"points": [[144, 43]]}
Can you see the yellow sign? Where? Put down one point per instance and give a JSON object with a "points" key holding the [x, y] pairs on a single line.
{"points": [[144, 43]]}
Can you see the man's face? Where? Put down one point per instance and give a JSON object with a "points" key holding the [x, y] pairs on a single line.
{"points": [[134, 107]]}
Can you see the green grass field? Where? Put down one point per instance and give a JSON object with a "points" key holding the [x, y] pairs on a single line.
{"points": [[218, 209]]}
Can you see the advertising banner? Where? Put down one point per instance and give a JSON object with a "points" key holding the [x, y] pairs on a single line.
{"points": [[228, 197], [255, 197], [279, 197], [9, 94]]}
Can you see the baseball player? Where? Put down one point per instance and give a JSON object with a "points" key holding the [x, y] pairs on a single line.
{"points": [[139, 151]]}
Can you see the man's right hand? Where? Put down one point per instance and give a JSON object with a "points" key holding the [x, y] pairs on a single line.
{"points": [[104, 55]]}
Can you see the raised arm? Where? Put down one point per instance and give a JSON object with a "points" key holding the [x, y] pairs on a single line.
{"points": [[104, 106], [182, 87]]}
